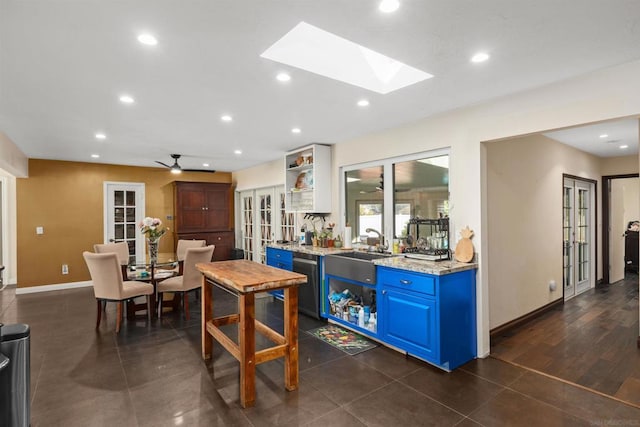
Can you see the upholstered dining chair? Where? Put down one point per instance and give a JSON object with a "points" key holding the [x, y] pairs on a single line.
{"points": [[189, 281], [181, 250], [121, 249], [109, 286]]}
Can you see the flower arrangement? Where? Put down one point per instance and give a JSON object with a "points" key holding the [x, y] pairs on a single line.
{"points": [[152, 228]]}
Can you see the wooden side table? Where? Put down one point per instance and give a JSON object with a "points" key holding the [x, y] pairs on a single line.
{"points": [[245, 279]]}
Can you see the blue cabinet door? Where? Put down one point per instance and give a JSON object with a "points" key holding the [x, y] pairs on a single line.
{"points": [[409, 322]]}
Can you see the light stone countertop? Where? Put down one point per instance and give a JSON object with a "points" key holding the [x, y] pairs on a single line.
{"points": [[398, 261], [437, 268]]}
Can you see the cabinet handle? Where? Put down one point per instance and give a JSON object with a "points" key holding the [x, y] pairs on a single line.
{"points": [[384, 292], [219, 238], [203, 208], [405, 282], [367, 280]]}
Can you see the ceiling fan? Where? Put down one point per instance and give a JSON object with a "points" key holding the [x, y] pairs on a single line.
{"points": [[176, 168], [380, 187]]}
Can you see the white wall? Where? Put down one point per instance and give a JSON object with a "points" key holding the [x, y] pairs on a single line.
{"points": [[631, 193], [619, 165], [602, 95], [524, 198], [9, 239], [12, 160], [265, 175]]}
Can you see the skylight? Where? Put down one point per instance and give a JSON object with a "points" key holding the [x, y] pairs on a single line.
{"points": [[320, 52]]}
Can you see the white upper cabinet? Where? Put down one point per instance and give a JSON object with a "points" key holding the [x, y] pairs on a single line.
{"points": [[308, 179]]}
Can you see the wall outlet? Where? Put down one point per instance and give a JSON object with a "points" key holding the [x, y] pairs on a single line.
{"points": [[65, 269]]}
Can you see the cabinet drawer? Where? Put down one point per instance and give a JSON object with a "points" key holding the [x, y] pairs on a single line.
{"points": [[415, 282], [280, 258]]}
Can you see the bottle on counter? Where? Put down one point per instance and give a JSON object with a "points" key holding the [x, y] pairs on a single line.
{"points": [[361, 317]]}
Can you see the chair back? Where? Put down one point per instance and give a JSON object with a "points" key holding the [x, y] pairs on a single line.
{"points": [[105, 275], [120, 248], [183, 245], [192, 276]]}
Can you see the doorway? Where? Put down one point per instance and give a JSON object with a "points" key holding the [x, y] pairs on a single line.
{"points": [[620, 206], [123, 211], [578, 215]]}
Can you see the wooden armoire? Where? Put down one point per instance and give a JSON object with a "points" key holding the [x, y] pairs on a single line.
{"points": [[203, 211]]}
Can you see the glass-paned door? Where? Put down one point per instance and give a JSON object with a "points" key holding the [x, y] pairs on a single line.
{"points": [[567, 231], [124, 209], [285, 224], [266, 232], [247, 223], [578, 235]]}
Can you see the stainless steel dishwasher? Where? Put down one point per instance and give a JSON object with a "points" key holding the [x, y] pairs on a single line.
{"points": [[309, 293]]}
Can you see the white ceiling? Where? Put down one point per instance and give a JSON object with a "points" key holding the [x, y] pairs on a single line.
{"points": [[607, 139], [63, 65]]}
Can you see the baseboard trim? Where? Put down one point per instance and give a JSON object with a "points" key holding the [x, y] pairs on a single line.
{"points": [[56, 287], [499, 330]]}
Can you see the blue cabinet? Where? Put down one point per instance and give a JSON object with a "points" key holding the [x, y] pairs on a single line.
{"points": [[432, 317], [409, 322], [279, 258]]}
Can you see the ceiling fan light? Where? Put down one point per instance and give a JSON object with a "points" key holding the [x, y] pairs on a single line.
{"points": [[176, 170]]}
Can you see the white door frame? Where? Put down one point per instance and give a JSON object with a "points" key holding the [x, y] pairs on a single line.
{"points": [[139, 188]]}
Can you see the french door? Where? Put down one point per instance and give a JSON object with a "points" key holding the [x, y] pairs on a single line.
{"points": [[578, 203], [123, 211], [263, 220]]}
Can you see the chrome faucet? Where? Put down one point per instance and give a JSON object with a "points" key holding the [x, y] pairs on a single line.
{"points": [[381, 247]]}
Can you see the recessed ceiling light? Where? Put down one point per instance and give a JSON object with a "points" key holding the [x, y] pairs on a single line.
{"points": [[95, 156], [147, 39], [226, 118], [604, 135], [622, 147], [363, 103], [326, 54], [283, 77], [238, 152], [126, 99], [206, 165], [295, 130], [480, 57], [101, 136], [388, 6]]}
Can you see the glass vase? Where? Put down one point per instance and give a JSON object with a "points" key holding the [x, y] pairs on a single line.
{"points": [[152, 247]]}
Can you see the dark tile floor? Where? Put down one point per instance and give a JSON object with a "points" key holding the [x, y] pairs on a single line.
{"points": [[151, 374]]}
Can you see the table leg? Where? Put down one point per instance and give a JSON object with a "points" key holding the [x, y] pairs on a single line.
{"points": [[247, 343], [291, 336], [206, 314]]}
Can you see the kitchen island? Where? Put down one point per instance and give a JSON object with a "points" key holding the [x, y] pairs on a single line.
{"points": [[245, 279]]}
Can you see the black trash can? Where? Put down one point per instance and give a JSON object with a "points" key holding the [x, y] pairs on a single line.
{"points": [[15, 375], [237, 253]]}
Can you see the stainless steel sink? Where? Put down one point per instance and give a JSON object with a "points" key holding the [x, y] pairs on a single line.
{"points": [[356, 266]]}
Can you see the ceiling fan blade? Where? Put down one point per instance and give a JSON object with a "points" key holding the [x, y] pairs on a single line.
{"points": [[198, 170], [163, 164]]}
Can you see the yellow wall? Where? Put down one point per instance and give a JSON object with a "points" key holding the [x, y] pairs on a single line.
{"points": [[66, 198]]}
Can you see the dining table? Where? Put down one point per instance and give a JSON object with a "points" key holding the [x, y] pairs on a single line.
{"points": [[245, 279], [152, 271]]}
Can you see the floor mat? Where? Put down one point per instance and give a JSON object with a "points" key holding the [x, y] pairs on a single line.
{"points": [[347, 341]]}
